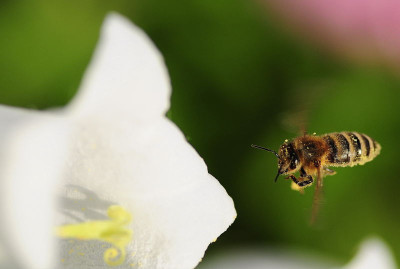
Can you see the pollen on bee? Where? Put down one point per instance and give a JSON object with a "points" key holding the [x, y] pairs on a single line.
{"points": [[295, 187]]}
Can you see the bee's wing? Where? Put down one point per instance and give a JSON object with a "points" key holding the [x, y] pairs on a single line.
{"points": [[296, 121], [317, 197], [299, 105]]}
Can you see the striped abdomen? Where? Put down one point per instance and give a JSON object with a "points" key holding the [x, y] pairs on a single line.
{"points": [[350, 148]]}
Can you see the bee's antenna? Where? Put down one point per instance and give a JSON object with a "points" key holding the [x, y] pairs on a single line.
{"points": [[277, 175], [270, 150]]}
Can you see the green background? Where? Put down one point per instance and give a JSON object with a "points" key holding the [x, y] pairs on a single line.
{"points": [[238, 78]]}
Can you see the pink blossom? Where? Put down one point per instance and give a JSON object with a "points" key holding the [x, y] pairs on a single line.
{"points": [[367, 29]]}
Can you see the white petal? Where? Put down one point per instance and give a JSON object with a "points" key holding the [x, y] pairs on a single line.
{"points": [[373, 254], [127, 78], [177, 207], [31, 158]]}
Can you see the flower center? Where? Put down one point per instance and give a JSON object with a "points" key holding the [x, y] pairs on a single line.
{"points": [[113, 231]]}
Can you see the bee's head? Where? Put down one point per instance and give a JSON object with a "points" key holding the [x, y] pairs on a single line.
{"points": [[288, 161]]}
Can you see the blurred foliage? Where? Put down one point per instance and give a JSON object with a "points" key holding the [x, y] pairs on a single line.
{"points": [[236, 74]]}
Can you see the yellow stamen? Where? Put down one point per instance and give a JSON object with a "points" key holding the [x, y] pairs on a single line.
{"points": [[112, 231]]}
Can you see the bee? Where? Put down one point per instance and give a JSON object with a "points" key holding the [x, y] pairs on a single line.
{"points": [[312, 155]]}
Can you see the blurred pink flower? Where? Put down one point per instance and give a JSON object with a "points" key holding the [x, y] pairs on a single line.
{"points": [[366, 29]]}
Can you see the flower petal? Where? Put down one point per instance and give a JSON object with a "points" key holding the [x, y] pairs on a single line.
{"points": [[125, 152], [31, 160], [373, 254], [127, 78], [177, 207]]}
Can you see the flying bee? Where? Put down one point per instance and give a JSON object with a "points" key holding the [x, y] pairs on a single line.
{"points": [[311, 155]]}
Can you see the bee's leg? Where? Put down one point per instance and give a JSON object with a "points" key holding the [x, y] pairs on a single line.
{"points": [[307, 179], [329, 172], [303, 181]]}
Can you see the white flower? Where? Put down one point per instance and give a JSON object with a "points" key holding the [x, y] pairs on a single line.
{"points": [[373, 254], [112, 149]]}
